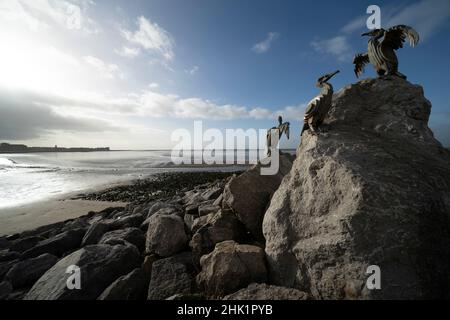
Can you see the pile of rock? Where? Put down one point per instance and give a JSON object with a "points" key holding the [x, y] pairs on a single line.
{"points": [[202, 243]]}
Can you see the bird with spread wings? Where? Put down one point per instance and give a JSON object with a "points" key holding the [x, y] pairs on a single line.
{"points": [[381, 53]]}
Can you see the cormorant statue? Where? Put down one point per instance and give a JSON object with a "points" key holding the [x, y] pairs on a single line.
{"points": [[381, 53], [282, 128], [319, 106]]}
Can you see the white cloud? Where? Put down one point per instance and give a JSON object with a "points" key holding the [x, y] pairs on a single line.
{"points": [[192, 71], [109, 71], [128, 52], [337, 47], [426, 16], [266, 44], [151, 37], [153, 85], [43, 14]]}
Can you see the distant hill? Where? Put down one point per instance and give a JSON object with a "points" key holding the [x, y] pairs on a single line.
{"points": [[21, 148]]}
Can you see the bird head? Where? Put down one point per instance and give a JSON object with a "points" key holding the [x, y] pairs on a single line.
{"points": [[375, 33], [280, 120], [326, 77]]}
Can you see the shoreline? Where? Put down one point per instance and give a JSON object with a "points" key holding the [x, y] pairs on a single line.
{"points": [[75, 204]]}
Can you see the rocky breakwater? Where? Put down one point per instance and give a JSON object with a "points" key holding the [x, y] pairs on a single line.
{"points": [[373, 189], [199, 242]]}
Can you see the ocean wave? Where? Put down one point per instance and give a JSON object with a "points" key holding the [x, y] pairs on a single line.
{"points": [[7, 163]]}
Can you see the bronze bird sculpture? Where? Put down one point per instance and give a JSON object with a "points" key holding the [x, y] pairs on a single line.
{"points": [[319, 106], [381, 53], [282, 128]]}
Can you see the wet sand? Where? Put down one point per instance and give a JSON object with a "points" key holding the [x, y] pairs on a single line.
{"points": [[33, 215]]}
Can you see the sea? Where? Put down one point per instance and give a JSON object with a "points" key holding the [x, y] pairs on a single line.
{"points": [[34, 177]]}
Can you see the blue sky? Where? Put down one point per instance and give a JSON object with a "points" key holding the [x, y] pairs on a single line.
{"points": [[126, 74]]}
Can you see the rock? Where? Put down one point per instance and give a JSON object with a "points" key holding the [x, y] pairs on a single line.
{"points": [[147, 265], [218, 201], [131, 235], [212, 193], [44, 231], [170, 276], [159, 205], [27, 272], [6, 266], [231, 266], [132, 221], [79, 223], [95, 233], [99, 265], [221, 227], [249, 194], [201, 221], [262, 291], [4, 243], [5, 289], [7, 255], [166, 235], [132, 286], [191, 210], [204, 210], [373, 190], [23, 244], [58, 244], [162, 211]]}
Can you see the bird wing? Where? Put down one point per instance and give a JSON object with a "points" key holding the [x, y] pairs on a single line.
{"points": [[396, 36], [360, 60], [285, 129], [312, 107]]}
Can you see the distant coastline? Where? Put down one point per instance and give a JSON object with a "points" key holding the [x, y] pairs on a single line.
{"points": [[21, 148]]}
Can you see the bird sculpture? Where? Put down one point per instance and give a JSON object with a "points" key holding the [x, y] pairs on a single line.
{"points": [[282, 128], [319, 106], [381, 53]]}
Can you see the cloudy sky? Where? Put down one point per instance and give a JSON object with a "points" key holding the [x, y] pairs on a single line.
{"points": [[125, 74]]}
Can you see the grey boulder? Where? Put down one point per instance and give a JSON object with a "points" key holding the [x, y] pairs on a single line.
{"points": [[99, 265]]}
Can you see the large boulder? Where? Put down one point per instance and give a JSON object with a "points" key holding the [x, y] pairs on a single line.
{"points": [[165, 235], [27, 272], [219, 227], [95, 233], [5, 289], [230, 267], [132, 286], [171, 276], [262, 291], [23, 244], [131, 235], [99, 265], [58, 244], [249, 194], [372, 190]]}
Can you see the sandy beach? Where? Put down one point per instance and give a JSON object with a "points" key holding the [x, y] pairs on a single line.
{"points": [[33, 215]]}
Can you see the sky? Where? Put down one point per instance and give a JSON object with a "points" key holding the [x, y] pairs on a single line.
{"points": [[126, 74]]}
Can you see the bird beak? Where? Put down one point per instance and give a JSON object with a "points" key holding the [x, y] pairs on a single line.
{"points": [[365, 34], [331, 75]]}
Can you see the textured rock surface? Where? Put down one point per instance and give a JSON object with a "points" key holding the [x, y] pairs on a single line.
{"points": [[231, 266], [99, 265], [170, 276], [166, 235], [27, 272], [95, 233], [131, 235], [249, 194], [261, 291], [372, 190], [58, 244], [220, 227], [132, 286]]}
